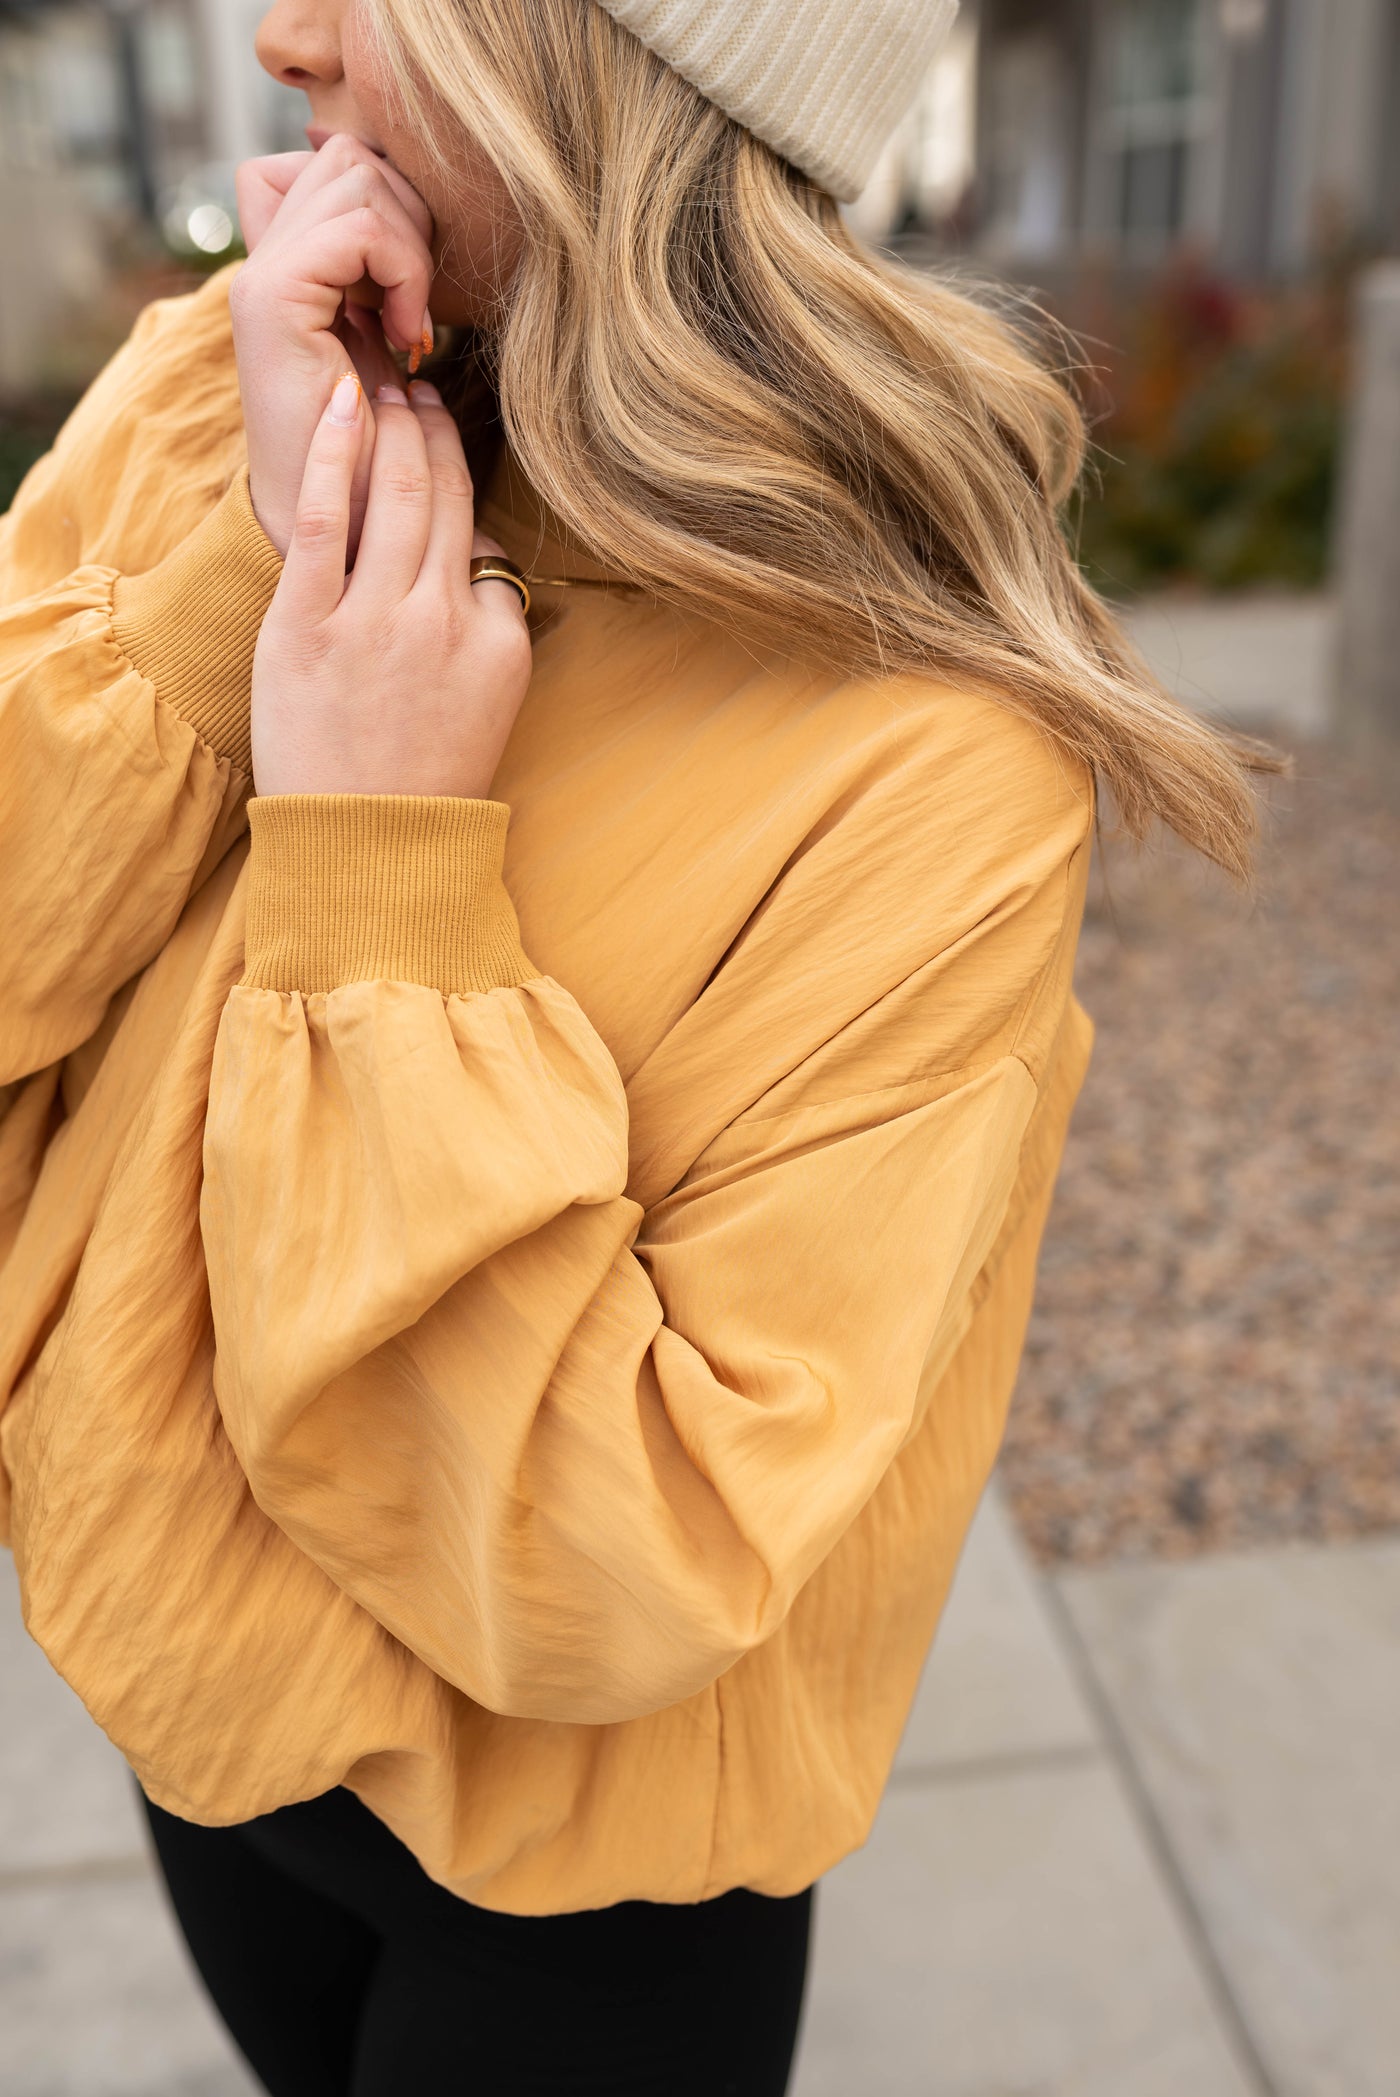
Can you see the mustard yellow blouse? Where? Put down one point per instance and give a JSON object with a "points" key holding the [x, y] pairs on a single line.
{"points": [[507, 1305]]}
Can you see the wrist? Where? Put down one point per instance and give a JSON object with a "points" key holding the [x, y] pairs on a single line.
{"points": [[276, 522], [308, 765]]}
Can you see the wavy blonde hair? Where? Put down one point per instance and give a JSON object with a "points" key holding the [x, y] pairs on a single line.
{"points": [[729, 399]]}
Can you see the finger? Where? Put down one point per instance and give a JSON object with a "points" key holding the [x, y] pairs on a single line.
{"points": [[359, 486], [344, 151], [313, 575], [261, 187], [325, 260], [362, 333], [449, 548], [500, 600], [339, 159], [399, 516], [362, 194]]}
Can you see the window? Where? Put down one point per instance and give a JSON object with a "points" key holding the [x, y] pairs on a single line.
{"points": [[1155, 113], [1028, 146]]}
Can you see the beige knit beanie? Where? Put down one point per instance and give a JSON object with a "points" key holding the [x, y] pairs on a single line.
{"points": [[824, 82]]}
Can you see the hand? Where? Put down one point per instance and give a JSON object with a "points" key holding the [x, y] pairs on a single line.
{"points": [[326, 231], [404, 677]]}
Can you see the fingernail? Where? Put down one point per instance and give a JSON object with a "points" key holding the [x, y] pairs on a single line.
{"points": [[395, 395], [423, 347], [425, 393], [345, 401]]}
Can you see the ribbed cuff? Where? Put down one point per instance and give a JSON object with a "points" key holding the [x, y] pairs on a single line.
{"points": [[191, 624], [358, 888]]}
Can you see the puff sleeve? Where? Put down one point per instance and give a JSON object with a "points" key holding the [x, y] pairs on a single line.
{"points": [[133, 581], [578, 1456]]}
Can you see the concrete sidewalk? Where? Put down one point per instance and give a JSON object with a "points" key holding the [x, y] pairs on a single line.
{"points": [[1143, 1841], [1261, 659]]}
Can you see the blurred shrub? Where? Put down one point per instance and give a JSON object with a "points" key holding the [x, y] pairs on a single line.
{"points": [[1217, 423], [30, 422]]}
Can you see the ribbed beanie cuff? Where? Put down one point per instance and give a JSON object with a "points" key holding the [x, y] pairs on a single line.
{"points": [[824, 82]]}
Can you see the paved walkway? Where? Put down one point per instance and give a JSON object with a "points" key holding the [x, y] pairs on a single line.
{"points": [[1143, 1841]]}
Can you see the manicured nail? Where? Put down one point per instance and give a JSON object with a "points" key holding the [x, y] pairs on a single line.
{"points": [[394, 395], [423, 347], [345, 401], [425, 394]]}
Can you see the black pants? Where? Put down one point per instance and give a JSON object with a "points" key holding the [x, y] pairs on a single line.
{"points": [[343, 1970]]}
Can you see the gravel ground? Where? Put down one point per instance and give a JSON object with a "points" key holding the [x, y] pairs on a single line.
{"points": [[1214, 1359]]}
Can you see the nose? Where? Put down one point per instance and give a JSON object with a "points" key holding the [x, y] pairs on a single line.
{"points": [[298, 42]]}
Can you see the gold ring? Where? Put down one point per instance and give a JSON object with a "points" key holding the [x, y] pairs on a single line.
{"points": [[499, 567]]}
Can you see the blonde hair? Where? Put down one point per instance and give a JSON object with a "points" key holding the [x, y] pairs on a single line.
{"points": [[727, 398]]}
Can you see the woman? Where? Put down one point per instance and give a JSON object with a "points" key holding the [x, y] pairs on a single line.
{"points": [[527, 1142]]}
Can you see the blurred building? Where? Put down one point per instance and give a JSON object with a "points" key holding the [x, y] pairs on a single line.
{"points": [[1050, 134], [120, 123], [1058, 132]]}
